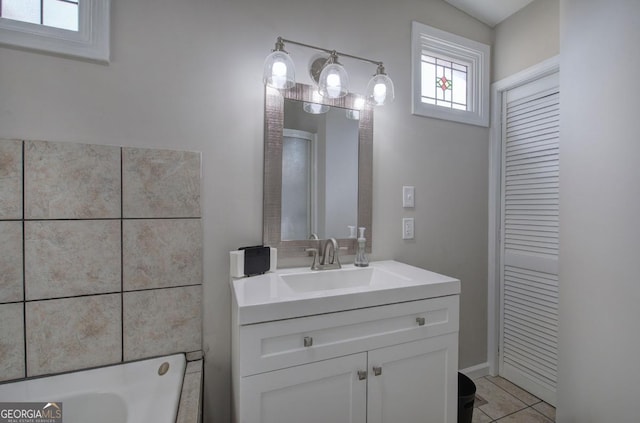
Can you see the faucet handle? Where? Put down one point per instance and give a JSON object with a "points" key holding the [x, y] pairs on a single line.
{"points": [[338, 255], [314, 265]]}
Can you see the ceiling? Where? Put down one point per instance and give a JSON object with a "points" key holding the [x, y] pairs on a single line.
{"points": [[491, 12]]}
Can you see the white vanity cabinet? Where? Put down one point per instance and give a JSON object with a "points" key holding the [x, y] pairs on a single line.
{"points": [[320, 392], [383, 364]]}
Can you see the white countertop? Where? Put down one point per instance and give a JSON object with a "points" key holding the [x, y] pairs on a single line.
{"points": [[268, 297]]}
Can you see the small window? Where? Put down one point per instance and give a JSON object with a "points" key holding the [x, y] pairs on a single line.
{"points": [[450, 76], [61, 14], [78, 28]]}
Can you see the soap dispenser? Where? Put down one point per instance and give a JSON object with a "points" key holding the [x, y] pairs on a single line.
{"points": [[361, 257]]}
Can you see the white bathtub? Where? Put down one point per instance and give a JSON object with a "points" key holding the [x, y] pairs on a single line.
{"points": [[126, 393]]}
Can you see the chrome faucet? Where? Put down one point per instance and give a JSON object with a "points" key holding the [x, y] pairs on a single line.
{"points": [[330, 247], [328, 255]]}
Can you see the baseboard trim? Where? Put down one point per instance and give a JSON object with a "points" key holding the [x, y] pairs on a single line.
{"points": [[474, 372]]}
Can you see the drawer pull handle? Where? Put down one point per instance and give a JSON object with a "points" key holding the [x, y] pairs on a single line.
{"points": [[308, 341], [362, 375], [377, 371], [420, 321]]}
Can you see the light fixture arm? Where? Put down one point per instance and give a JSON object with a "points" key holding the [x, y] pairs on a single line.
{"points": [[281, 41]]}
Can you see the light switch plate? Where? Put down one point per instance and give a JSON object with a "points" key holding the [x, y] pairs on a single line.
{"points": [[408, 197], [407, 228]]}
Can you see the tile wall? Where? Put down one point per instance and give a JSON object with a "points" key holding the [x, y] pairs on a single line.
{"points": [[100, 255]]}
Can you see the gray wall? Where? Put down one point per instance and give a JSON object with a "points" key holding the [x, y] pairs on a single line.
{"points": [[526, 38], [599, 209], [187, 76]]}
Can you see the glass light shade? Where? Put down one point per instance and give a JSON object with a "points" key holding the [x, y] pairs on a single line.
{"points": [[380, 90], [353, 114], [279, 71], [315, 108], [333, 81]]}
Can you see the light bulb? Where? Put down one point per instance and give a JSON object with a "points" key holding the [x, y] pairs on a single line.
{"points": [[279, 75], [358, 103], [333, 85], [379, 93]]}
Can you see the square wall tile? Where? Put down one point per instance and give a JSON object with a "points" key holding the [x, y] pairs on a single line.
{"points": [[10, 179], [11, 261], [160, 183], [73, 333], [162, 321], [71, 181], [65, 258], [12, 341], [161, 253]]}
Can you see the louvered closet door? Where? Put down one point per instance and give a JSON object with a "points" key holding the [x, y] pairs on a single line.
{"points": [[529, 236]]}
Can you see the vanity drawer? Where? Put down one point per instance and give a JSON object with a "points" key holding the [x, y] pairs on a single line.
{"points": [[285, 343]]}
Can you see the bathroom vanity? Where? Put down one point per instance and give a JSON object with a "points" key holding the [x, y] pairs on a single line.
{"points": [[375, 344]]}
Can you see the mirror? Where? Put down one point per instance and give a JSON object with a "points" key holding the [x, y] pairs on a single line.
{"points": [[318, 170]]}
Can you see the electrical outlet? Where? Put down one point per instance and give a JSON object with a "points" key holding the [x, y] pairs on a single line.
{"points": [[407, 228], [408, 194]]}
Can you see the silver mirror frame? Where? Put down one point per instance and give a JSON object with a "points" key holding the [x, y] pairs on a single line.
{"points": [[272, 201]]}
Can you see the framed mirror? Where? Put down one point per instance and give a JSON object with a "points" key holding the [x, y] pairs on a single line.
{"points": [[318, 169]]}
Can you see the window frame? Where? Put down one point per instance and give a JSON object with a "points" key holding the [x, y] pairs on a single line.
{"points": [[90, 42], [444, 45]]}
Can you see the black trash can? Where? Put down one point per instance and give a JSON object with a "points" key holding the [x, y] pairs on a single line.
{"points": [[466, 396]]}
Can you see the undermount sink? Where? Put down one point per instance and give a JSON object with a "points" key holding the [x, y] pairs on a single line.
{"points": [[339, 279], [296, 292]]}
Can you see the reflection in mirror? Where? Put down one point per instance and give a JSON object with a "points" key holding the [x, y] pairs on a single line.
{"points": [[319, 172], [317, 169]]}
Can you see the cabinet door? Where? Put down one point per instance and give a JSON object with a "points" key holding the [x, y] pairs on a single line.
{"points": [[321, 392], [416, 382]]}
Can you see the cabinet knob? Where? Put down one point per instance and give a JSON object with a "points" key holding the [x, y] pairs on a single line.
{"points": [[377, 371], [308, 341], [362, 375], [420, 321]]}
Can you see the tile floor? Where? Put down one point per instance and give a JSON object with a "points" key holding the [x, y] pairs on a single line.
{"points": [[498, 400]]}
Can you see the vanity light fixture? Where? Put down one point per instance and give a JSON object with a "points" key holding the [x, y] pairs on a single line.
{"points": [[330, 76]]}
